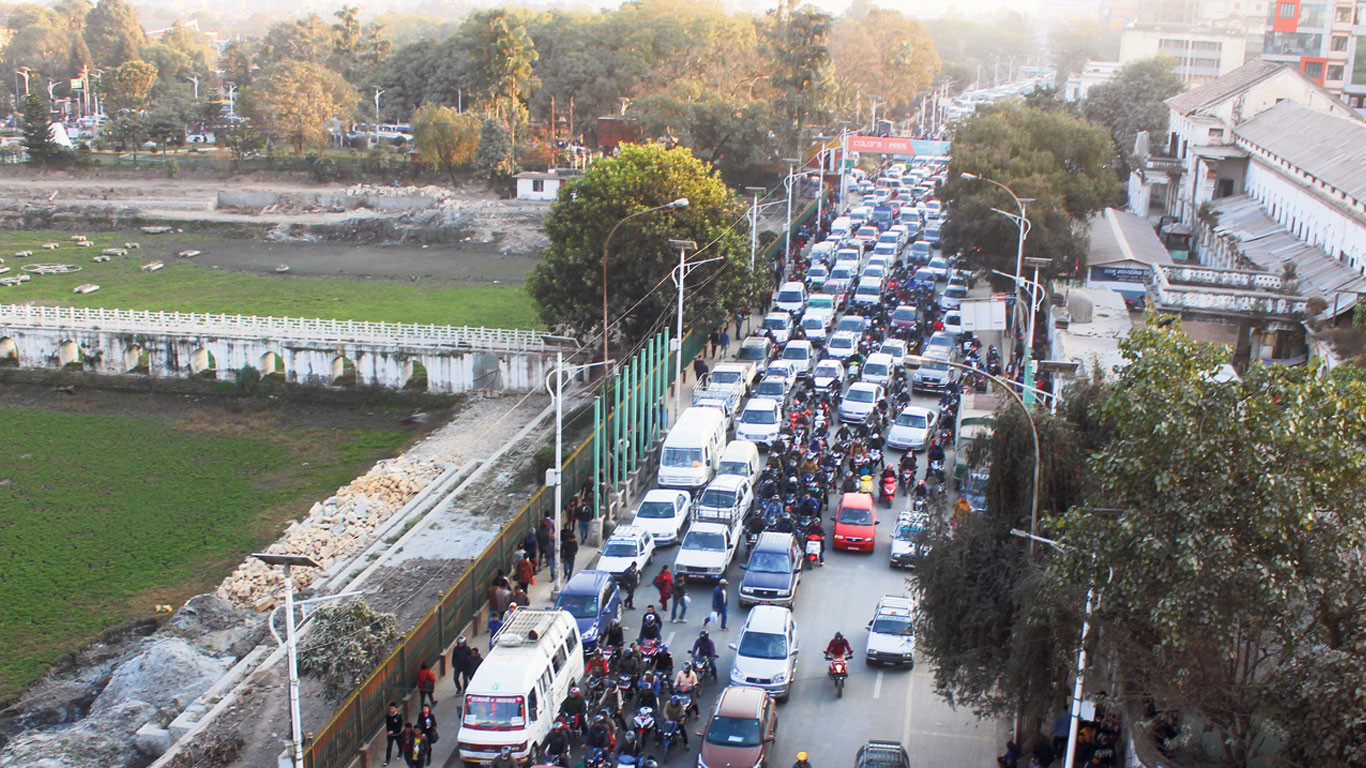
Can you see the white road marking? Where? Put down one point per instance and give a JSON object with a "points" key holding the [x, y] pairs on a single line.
{"points": [[877, 686]]}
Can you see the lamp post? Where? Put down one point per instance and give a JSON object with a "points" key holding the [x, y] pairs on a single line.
{"points": [[1033, 430], [378, 92], [1022, 223], [24, 73], [679, 274], [291, 646], [554, 384], [1074, 719], [231, 89], [787, 182], [754, 223], [681, 202], [194, 79]]}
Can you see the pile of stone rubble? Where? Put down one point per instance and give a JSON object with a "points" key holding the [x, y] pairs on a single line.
{"points": [[334, 529]]}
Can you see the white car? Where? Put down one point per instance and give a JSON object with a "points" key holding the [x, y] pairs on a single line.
{"points": [[802, 355], [784, 369], [908, 538], [953, 297], [860, 401], [878, 369], [896, 348], [913, 428], [842, 345], [953, 323], [628, 544], [774, 388], [891, 635], [766, 651], [780, 323], [816, 323], [664, 513], [726, 496], [760, 421], [939, 267], [829, 375]]}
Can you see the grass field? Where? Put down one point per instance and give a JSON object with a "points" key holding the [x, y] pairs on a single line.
{"points": [[183, 286], [103, 514]]}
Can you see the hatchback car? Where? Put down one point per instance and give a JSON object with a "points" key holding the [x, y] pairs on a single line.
{"points": [[905, 316], [953, 323], [953, 297], [774, 388], [802, 355], [878, 369], [856, 323], [783, 369], [766, 651], [773, 571], [913, 428], [780, 323], [854, 523], [860, 402], [740, 731], [664, 513], [627, 545], [842, 345], [829, 375], [891, 638], [755, 349], [897, 348]]}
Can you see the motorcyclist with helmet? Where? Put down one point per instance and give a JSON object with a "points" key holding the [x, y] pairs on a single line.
{"points": [[575, 708], [600, 735], [557, 746], [839, 646], [650, 625], [802, 762], [676, 709], [704, 650], [936, 453], [614, 636]]}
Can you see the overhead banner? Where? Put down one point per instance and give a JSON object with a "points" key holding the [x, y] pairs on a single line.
{"points": [[898, 145]]}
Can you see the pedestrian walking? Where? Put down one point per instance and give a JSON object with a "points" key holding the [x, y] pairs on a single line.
{"points": [[476, 658], [408, 742], [393, 732], [699, 368], [544, 534], [426, 684], [419, 751], [725, 342], [585, 516], [495, 624], [526, 572], [739, 324], [502, 595], [664, 582], [630, 579], [679, 613], [426, 723], [520, 599], [460, 664], [569, 549], [714, 339], [719, 601], [529, 546]]}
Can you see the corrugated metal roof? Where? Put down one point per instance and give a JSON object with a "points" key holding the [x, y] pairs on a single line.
{"points": [[1269, 246], [1121, 236], [1325, 146], [1221, 88]]}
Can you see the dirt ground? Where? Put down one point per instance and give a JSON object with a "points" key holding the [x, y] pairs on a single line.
{"points": [[337, 259]]}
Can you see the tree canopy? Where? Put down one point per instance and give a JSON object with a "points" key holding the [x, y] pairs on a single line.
{"points": [[568, 286], [445, 138], [292, 100], [1133, 102]]}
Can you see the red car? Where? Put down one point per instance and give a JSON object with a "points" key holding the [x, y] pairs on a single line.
{"points": [[855, 523]]}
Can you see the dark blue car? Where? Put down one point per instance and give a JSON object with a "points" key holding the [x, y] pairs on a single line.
{"points": [[591, 597]]}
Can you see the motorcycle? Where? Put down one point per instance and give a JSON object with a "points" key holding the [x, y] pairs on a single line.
{"points": [[626, 685], [936, 469], [907, 478], [643, 723], [814, 543], [838, 672], [595, 757], [706, 668]]}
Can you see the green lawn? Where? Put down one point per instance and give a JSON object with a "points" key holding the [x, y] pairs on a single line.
{"points": [[102, 515], [184, 286]]}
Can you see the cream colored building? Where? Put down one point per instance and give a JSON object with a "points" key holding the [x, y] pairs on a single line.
{"points": [[1202, 53]]}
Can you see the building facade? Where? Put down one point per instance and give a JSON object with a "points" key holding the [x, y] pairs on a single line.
{"points": [[1324, 40]]}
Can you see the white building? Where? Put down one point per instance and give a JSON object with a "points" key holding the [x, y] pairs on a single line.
{"points": [[1092, 74], [1201, 53], [542, 185]]}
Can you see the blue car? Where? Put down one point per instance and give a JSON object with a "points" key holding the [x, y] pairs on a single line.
{"points": [[592, 598]]}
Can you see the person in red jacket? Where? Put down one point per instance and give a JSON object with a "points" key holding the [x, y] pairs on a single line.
{"points": [[665, 582], [426, 685], [526, 572], [839, 646]]}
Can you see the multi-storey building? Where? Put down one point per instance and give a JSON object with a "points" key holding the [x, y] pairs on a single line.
{"points": [[1201, 53], [1324, 40]]}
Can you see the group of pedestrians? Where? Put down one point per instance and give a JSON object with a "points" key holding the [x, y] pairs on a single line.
{"points": [[414, 740]]}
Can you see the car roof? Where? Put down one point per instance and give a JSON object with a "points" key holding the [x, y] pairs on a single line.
{"points": [[865, 385], [768, 618], [830, 363], [895, 605], [737, 447], [844, 335], [726, 482], [917, 409], [755, 340], [664, 494], [894, 342], [740, 701], [879, 357], [589, 581], [630, 532], [762, 402], [774, 540]]}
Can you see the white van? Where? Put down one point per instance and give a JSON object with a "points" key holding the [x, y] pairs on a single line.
{"points": [[741, 457], [692, 449], [515, 694], [841, 228], [791, 298], [869, 291], [823, 252]]}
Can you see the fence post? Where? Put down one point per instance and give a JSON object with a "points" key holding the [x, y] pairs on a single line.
{"points": [[616, 432], [597, 456]]}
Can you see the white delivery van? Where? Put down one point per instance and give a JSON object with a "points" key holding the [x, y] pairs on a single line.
{"points": [[515, 694], [741, 457], [841, 228], [791, 298], [692, 449]]}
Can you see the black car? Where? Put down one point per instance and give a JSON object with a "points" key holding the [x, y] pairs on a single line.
{"points": [[773, 571], [882, 754]]}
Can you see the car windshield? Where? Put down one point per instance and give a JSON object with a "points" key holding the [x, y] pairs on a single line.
{"points": [[827, 371], [916, 420], [789, 296], [725, 377], [656, 510], [868, 289], [850, 323], [841, 342], [759, 416], [734, 732], [751, 352], [740, 468], [771, 387], [908, 531], [816, 270], [875, 369], [763, 645], [579, 606], [894, 350], [939, 264], [770, 562], [704, 540], [860, 395], [812, 323], [795, 353], [494, 713], [776, 323], [892, 625], [856, 516], [840, 273], [904, 313], [933, 365], [716, 497], [681, 457], [824, 302], [619, 549], [924, 274], [956, 292], [867, 232]]}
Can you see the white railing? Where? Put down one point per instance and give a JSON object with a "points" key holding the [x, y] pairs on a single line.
{"points": [[280, 328]]}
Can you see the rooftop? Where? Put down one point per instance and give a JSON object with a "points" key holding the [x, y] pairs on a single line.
{"points": [[1220, 89], [1121, 236], [1336, 154], [1095, 345]]}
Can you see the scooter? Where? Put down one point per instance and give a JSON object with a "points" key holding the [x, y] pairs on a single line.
{"points": [[814, 543], [889, 486], [907, 478], [595, 757], [838, 672]]}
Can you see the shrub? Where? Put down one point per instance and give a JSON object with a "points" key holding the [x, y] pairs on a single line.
{"points": [[345, 643]]}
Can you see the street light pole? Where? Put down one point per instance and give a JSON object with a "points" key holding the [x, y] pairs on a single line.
{"points": [[754, 223], [378, 92], [681, 202], [291, 646], [557, 393], [194, 79], [1022, 223], [787, 182]]}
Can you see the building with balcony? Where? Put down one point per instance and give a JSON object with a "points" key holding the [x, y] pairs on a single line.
{"points": [[1092, 73], [1323, 39]]}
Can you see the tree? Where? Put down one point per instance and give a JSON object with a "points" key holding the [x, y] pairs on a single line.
{"points": [[493, 159], [357, 49], [128, 130], [733, 134], [172, 66], [568, 286], [243, 139], [293, 99], [40, 47], [346, 642], [797, 44], [113, 33], [1133, 102], [1223, 538], [37, 133], [128, 85], [1059, 160], [188, 43], [502, 59], [445, 138], [884, 53], [308, 39]]}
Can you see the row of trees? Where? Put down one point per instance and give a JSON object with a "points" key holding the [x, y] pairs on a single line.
{"points": [[1220, 524]]}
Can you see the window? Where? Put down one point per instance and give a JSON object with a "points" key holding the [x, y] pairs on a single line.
{"points": [[1216, 133], [1287, 10], [1339, 42], [538, 185], [558, 660], [1334, 71], [1344, 14], [1313, 70], [531, 705]]}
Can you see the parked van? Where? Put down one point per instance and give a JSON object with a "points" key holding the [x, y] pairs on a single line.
{"points": [[515, 694], [841, 228], [741, 457], [692, 449], [791, 298]]}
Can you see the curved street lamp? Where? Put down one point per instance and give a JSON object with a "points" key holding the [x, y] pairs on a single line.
{"points": [[681, 202]]}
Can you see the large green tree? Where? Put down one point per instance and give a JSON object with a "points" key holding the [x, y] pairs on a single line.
{"points": [[445, 138], [1223, 538], [568, 286], [292, 100], [1133, 102], [1060, 161], [37, 136], [113, 33], [732, 134], [797, 43], [884, 53], [128, 85], [502, 56]]}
